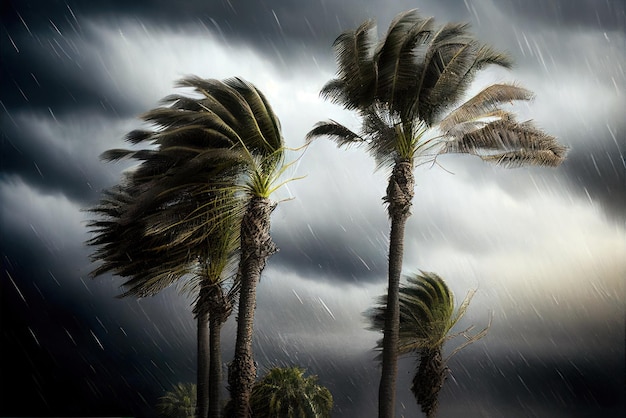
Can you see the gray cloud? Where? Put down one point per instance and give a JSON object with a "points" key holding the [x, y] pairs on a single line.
{"points": [[571, 14], [540, 252], [59, 155]]}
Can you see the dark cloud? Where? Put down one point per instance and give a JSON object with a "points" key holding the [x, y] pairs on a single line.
{"points": [[79, 350], [32, 157], [69, 337], [38, 34], [521, 384], [579, 14], [330, 251], [599, 173]]}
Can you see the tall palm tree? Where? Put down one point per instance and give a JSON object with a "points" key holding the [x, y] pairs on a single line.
{"points": [[216, 162], [427, 314], [403, 87], [179, 402], [262, 174], [285, 392]]}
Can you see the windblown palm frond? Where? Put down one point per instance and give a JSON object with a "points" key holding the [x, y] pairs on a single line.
{"points": [[427, 312], [510, 144], [398, 61], [482, 105], [153, 241], [246, 110], [342, 135], [356, 80]]}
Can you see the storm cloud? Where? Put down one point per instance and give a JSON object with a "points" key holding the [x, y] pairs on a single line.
{"points": [[544, 248]]}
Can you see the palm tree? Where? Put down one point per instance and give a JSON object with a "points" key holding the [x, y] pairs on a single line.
{"points": [[427, 314], [286, 393], [179, 402], [239, 133], [262, 169], [151, 262], [216, 162], [403, 88]]}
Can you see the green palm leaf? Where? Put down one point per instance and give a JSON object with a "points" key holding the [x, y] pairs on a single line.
{"points": [[396, 58], [357, 74], [179, 402], [286, 392]]}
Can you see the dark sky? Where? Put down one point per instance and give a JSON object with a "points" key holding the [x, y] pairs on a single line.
{"points": [[543, 247]]}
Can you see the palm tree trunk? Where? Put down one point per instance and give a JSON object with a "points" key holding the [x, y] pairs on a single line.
{"points": [[399, 196], [256, 248], [215, 367], [202, 383], [429, 379]]}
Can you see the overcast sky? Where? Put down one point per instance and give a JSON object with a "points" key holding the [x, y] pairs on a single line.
{"points": [[544, 248]]}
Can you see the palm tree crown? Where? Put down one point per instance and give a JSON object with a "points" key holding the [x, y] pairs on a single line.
{"points": [[179, 402], [285, 392], [407, 87], [427, 312]]}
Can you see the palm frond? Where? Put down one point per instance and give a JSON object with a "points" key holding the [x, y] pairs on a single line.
{"points": [[487, 55], [484, 104], [217, 97], [450, 62], [357, 73], [138, 135], [337, 132], [451, 82], [179, 402], [267, 124], [286, 392], [399, 68], [510, 144]]}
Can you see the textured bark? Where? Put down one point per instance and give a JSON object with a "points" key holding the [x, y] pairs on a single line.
{"points": [[202, 382], [215, 367], [220, 308], [256, 248], [429, 379], [212, 310], [400, 193]]}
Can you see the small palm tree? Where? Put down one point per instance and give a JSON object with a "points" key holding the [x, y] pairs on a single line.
{"points": [[286, 393], [179, 402], [406, 88], [427, 314]]}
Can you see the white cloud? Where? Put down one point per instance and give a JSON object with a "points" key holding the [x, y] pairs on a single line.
{"points": [[142, 61]]}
